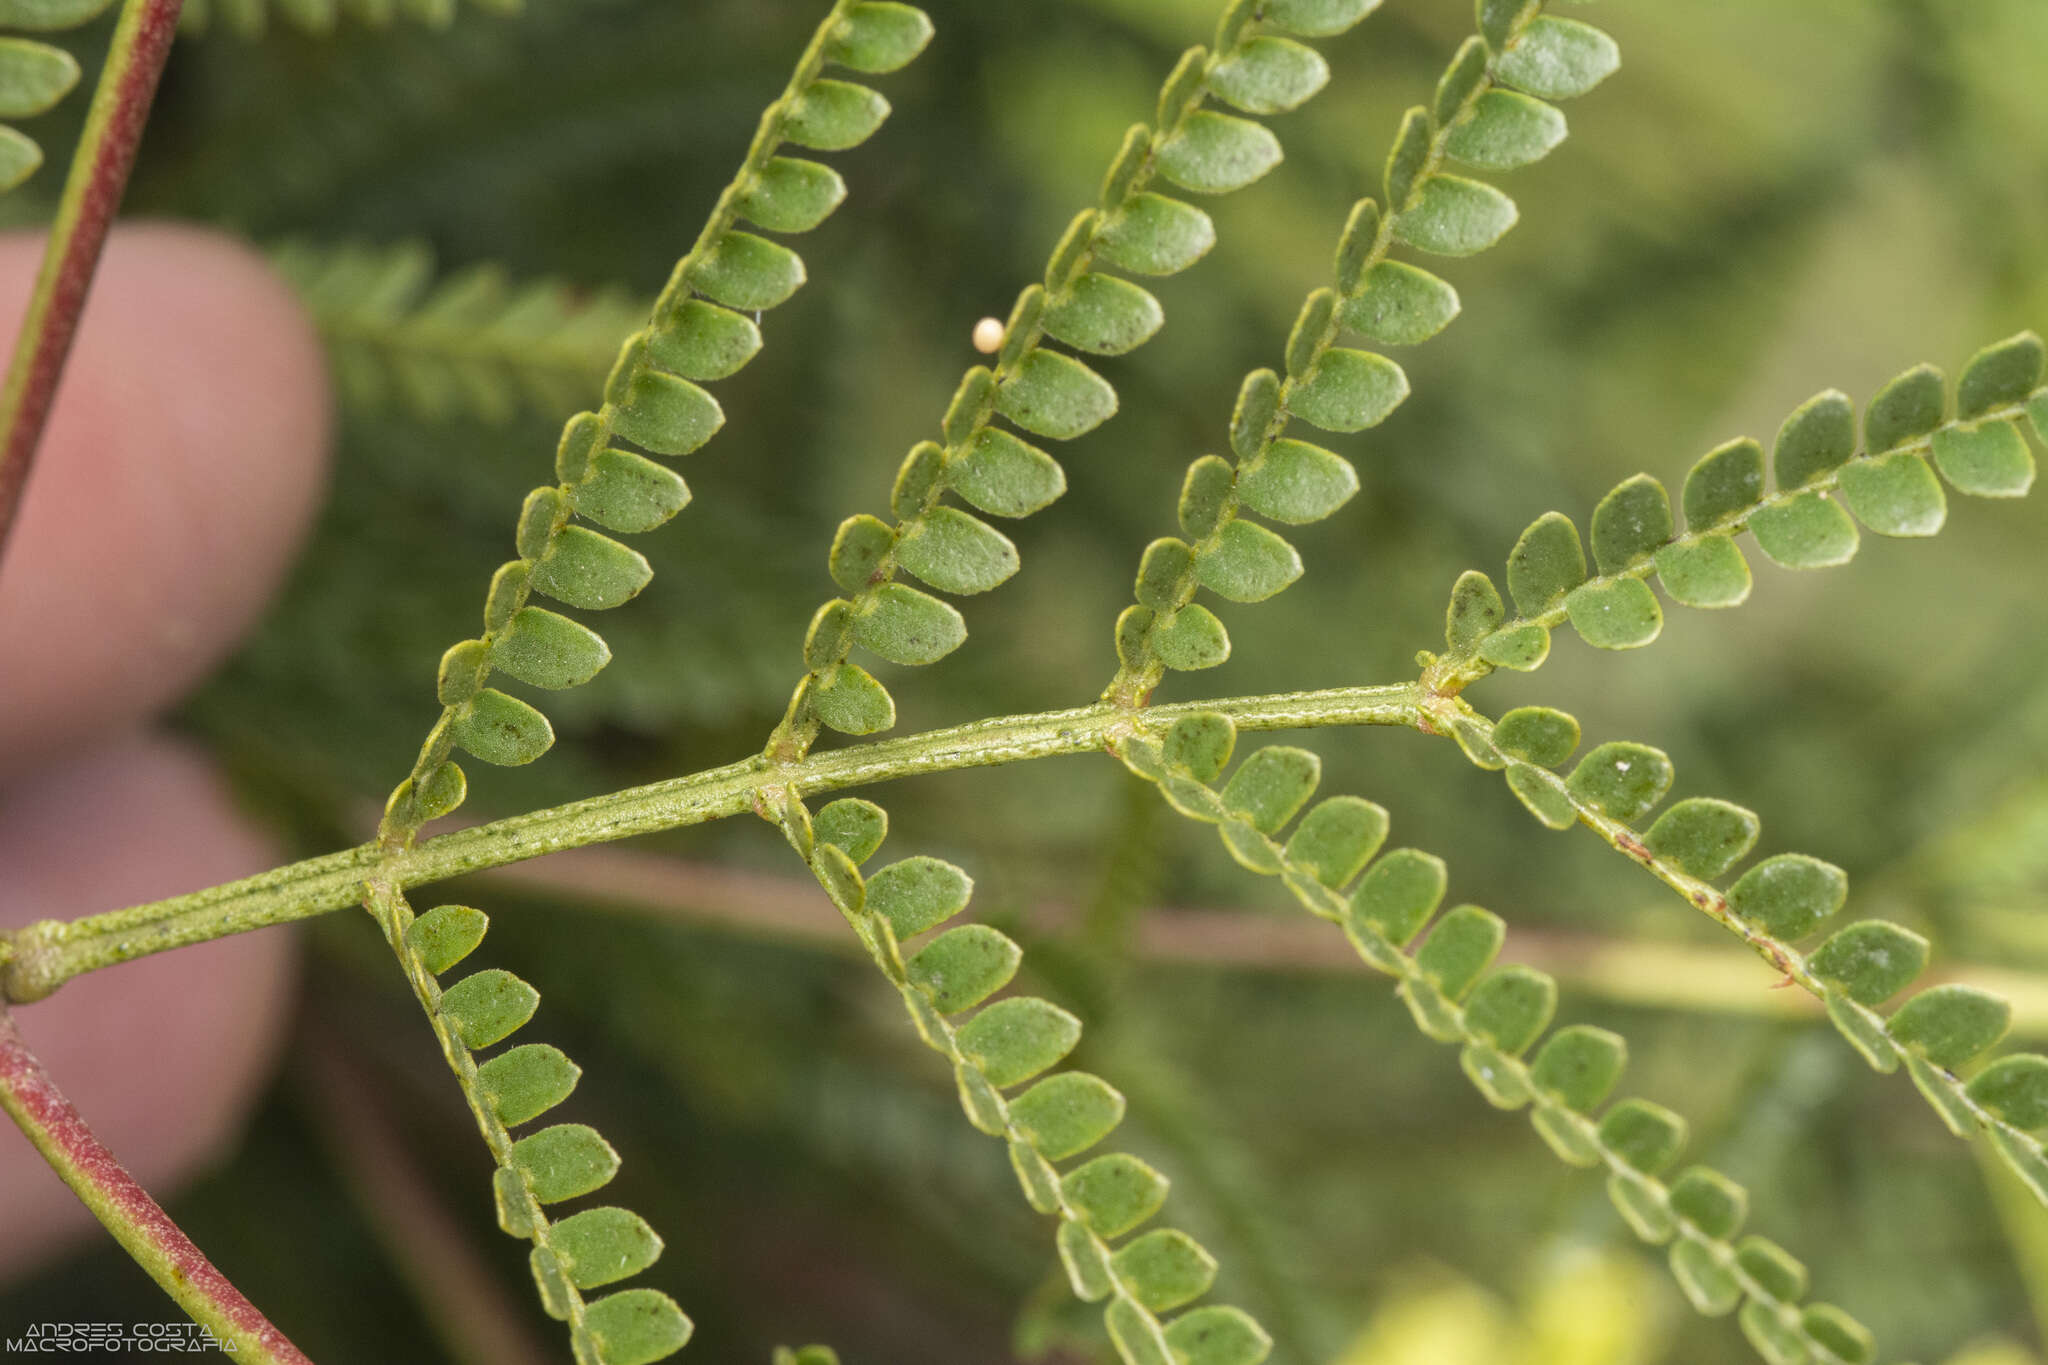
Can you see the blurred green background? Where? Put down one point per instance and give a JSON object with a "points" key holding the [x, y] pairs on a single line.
{"points": [[1767, 200]]}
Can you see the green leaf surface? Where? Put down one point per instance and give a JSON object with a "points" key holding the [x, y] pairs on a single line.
{"points": [[877, 36], [1065, 1115], [1013, 1040], [1164, 1269], [445, 935], [49, 16], [917, 893], [1247, 563], [1710, 1201], [1630, 522], [1909, 406], [1948, 1025], [1512, 1007], [1104, 315], [747, 272], [1460, 946], [1818, 437], [1834, 1329], [2003, 372], [1809, 532], [1190, 639], [1214, 153], [1056, 396], [629, 493], [1616, 613], [19, 157], [833, 115], [1789, 896], [1503, 130], [489, 1006], [501, 729], [546, 649], [1399, 893], [906, 626], [1537, 734], [1268, 75], [1707, 573], [1646, 1136], [1317, 19], [1453, 216], [1781, 1274], [1895, 495], [963, 967], [1151, 234], [1622, 779], [1708, 1284], [1543, 793], [1870, 961], [1703, 837], [1114, 1193], [858, 827], [33, 76], [1475, 612], [2015, 1089], [1218, 1334], [1990, 460], [847, 698], [584, 569], [1270, 788], [600, 1246], [1546, 563], [1726, 482], [1580, 1065], [1005, 476], [1295, 483], [1400, 305], [525, 1082], [636, 1326], [1349, 390], [791, 194], [1558, 59], [956, 552], [1524, 648], [1338, 838], [702, 341], [565, 1161]]}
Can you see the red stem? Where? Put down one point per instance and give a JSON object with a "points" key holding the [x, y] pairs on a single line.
{"points": [[98, 178], [135, 1219]]}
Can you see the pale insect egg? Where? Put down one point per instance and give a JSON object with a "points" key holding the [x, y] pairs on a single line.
{"points": [[988, 336]]}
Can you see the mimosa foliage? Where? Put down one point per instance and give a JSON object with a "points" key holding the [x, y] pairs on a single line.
{"points": [[34, 76], [476, 347]]}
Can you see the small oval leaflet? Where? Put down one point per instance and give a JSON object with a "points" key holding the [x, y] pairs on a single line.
{"points": [[1789, 896], [1847, 1338], [1511, 1007], [1151, 234], [1895, 495], [1559, 59], [956, 552], [445, 935], [1270, 788], [859, 547], [489, 1006], [1217, 1335], [1948, 1025], [1067, 1114], [1818, 436], [1907, 407], [1338, 838], [1114, 1193], [831, 116], [599, 1246], [791, 194], [1871, 961], [1013, 1040], [1295, 482], [1990, 460], [2003, 372], [1268, 75], [1580, 1065], [1453, 216], [1399, 894], [1809, 532], [1190, 639], [1005, 476], [1503, 130], [917, 893], [635, 1327], [667, 415], [502, 729], [1400, 304], [33, 77], [747, 272], [585, 569], [1781, 1274], [629, 493], [1546, 563], [847, 698], [1165, 1268], [858, 827], [1727, 481], [1104, 315], [906, 626], [1475, 611], [1349, 390], [546, 649], [1623, 779], [963, 967], [1160, 572], [877, 36], [1055, 395], [1318, 18], [1200, 744], [1710, 1201], [2015, 1089], [1216, 153], [1247, 563], [1543, 793], [1538, 734], [1460, 946], [1524, 648], [1709, 572], [19, 157], [1616, 613], [445, 789], [1645, 1136], [1630, 522], [527, 1081], [1709, 1286], [1703, 837], [46, 16]]}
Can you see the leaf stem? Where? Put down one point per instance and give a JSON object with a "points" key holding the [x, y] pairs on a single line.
{"points": [[138, 1223], [99, 174], [42, 956]]}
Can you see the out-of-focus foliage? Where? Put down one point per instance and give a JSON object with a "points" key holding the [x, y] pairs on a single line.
{"points": [[1765, 198]]}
